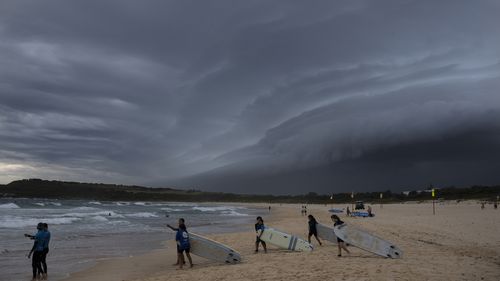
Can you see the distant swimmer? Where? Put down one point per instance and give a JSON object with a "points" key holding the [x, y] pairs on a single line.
{"points": [[341, 244], [312, 229], [259, 229]]}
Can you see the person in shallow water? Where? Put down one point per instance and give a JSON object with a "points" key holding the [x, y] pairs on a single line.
{"points": [[259, 229], [45, 250], [180, 222], [41, 242]]}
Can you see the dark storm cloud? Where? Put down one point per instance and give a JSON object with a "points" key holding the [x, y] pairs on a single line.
{"points": [[235, 95]]}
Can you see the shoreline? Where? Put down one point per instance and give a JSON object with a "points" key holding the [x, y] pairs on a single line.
{"points": [[462, 242], [157, 260]]}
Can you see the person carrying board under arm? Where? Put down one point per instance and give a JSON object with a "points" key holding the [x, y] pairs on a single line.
{"points": [[259, 229]]}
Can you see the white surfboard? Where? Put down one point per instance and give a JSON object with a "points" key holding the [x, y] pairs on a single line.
{"points": [[366, 241], [326, 233], [285, 240], [212, 250]]}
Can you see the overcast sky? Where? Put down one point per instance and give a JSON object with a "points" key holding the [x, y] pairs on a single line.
{"points": [[251, 96]]}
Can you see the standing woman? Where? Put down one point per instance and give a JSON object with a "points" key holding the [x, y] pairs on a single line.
{"points": [[341, 244], [312, 229], [259, 229]]}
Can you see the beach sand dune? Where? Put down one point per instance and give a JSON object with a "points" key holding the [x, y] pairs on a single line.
{"points": [[461, 242]]}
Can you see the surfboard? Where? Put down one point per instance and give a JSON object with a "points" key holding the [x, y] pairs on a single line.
{"points": [[361, 214], [285, 241], [366, 241], [335, 210], [326, 233], [212, 250]]}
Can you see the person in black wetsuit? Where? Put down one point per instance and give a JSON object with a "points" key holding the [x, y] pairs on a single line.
{"points": [[341, 245], [45, 251], [312, 229], [259, 229]]}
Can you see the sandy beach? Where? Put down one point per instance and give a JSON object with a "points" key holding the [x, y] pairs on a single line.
{"points": [[460, 242]]}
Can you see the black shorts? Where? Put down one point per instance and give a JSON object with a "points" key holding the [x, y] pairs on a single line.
{"points": [[180, 251], [311, 233]]}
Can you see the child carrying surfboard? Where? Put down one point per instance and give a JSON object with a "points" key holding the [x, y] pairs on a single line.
{"points": [[259, 229], [182, 239], [312, 229], [340, 243]]}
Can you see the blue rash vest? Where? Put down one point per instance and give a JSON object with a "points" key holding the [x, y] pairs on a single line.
{"points": [[41, 240], [182, 238]]}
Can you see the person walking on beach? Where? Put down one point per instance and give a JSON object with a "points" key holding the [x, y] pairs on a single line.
{"points": [[341, 245], [180, 222], [37, 251], [259, 229], [348, 212], [182, 239], [312, 229]]}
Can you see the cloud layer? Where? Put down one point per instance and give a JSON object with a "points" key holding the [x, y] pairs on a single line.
{"points": [[251, 96]]}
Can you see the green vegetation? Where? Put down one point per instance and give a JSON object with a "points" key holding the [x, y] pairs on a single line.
{"points": [[37, 188]]}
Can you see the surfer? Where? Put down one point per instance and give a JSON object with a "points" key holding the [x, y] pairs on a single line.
{"points": [[180, 222], [312, 229], [183, 245], [341, 245], [45, 250], [37, 251], [259, 229]]}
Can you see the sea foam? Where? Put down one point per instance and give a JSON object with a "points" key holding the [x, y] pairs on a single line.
{"points": [[9, 206]]}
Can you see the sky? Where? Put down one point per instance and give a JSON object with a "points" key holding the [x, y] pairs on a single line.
{"points": [[281, 97]]}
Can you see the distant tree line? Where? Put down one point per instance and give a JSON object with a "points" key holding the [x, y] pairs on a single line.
{"points": [[38, 188]]}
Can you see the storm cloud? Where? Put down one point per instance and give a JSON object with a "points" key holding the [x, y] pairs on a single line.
{"points": [[251, 96]]}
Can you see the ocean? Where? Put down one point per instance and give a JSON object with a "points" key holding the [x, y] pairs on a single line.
{"points": [[84, 232]]}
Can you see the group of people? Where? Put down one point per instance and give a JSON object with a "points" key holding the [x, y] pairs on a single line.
{"points": [[313, 231], [39, 251], [303, 211], [184, 246]]}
